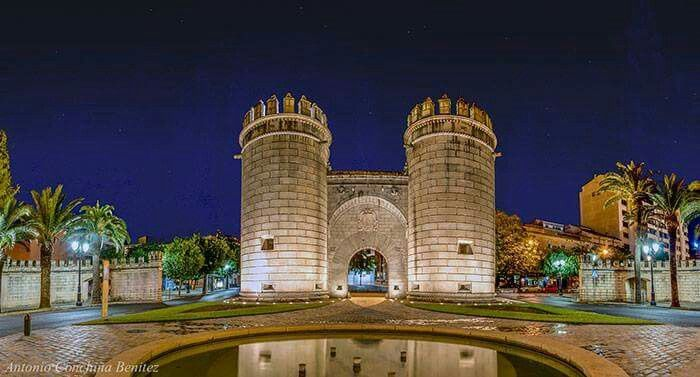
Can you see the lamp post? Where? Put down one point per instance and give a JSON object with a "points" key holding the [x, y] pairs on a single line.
{"points": [[227, 268], [77, 248], [559, 264], [594, 274], [651, 257]]}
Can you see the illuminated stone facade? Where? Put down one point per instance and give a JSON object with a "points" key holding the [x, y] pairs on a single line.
{"points": [[301, 223], [610, 280]]}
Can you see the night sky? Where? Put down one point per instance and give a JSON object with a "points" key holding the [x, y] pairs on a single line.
{"points": [[140, 106]]}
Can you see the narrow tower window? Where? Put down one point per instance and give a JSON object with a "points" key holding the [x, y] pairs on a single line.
{"points": [[268, 243], [465, 247]]}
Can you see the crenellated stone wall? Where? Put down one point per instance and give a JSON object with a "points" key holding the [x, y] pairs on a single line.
{"points": [[614, 281], [130, 281]]}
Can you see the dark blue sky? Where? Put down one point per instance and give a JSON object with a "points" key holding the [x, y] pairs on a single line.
{"points": [[140, 106]]}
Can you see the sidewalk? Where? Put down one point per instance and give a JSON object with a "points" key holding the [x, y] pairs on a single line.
{"points": [[169, 295]]}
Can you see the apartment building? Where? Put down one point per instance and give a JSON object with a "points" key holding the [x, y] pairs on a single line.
{"points": [[611, 220]]}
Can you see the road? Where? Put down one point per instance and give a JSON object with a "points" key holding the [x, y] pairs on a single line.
{"points": [[14, 323], [678, 317]]}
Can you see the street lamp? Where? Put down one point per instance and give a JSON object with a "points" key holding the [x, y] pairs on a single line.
{"points": [[77, 248], [651, 257], [559, 263], [227, 268]]}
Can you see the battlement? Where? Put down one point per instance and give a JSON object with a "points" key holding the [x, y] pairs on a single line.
{"points": [[69, 264], [427, 109], [587, 264], [271, 107]]}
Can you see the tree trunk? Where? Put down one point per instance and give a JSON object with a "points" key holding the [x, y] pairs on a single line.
{"points": [[3, 260], [675, 303], [204, 286], [46, 252], [96, 279], [179, 287], [638, 255]]}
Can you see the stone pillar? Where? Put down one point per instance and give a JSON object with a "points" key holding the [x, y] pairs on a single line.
{"points": [[451, 225], [284, 201]]}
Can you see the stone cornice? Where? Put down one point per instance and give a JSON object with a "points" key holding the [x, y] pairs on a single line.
{"points": [[442, 119], [323, 131]]}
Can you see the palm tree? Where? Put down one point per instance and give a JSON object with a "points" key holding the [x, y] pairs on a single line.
{"points": [[632, 183], [52, 219], [674, 204], [15, 227], [100, 227]]}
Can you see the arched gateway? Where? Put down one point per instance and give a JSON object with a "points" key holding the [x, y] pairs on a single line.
{"points": [[366, 222], [301, 223]]}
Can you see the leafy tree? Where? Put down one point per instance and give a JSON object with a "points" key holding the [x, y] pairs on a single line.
{"points": [[216, 253], [674, 204], [106, 233], [561, 264], [364, 261], [182, 260], [52, 219], [143, 250], [235, 245], [515, 252], [7, 189], [632, 183]]}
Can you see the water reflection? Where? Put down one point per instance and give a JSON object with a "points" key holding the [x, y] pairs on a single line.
{"points": [[356, 357], [377, 357]]}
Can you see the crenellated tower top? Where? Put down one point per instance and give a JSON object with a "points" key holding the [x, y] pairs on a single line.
{"points": [[271, 117], [427, 109], [442, 118], [271, 107]]}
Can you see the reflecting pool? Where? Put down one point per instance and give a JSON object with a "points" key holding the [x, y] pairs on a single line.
{"points": [[357, 356]]}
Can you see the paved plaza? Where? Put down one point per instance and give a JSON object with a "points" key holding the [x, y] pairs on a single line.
{"points": [[640, 350]]}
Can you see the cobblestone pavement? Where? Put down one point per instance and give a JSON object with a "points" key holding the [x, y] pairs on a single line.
{"points": [[641, 350]]}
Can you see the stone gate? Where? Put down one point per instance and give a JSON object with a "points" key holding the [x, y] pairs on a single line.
{"points": [[301, 222]]}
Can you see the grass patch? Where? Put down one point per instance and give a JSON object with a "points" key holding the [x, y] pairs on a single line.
{"points": [[203, 310], [531, 312]]}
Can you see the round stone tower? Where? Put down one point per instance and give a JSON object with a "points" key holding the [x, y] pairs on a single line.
{"points": [[284, 200], [450, 155]]}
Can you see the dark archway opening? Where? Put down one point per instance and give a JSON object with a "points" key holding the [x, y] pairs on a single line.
{"points": [[367, 272]]}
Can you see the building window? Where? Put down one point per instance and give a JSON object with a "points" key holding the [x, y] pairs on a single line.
{"points": [[268, 243], [465, 247]]}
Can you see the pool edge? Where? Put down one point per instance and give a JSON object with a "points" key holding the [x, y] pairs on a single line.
{"points": [[588, 363]]}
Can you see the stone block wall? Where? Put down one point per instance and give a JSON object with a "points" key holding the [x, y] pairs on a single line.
{"points": [[451, 201], [131, 281], [615, 281], [136, 281], [284, 199]]}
